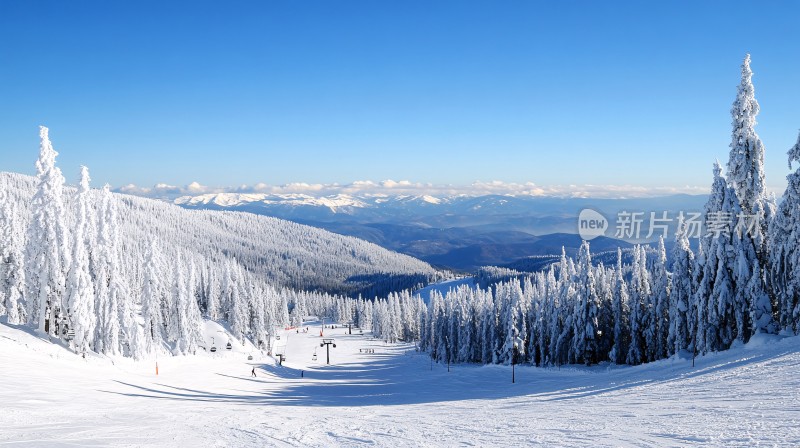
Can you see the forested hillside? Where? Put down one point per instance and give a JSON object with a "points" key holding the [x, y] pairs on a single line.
{"points": [[125, 275]]}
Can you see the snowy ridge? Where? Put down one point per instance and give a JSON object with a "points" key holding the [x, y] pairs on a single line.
{"points": [[334, 203]]}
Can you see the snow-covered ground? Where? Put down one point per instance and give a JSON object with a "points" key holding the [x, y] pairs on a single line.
{"points": [[393, 397]]}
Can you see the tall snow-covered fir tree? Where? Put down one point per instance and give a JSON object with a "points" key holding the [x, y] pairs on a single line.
{"points": [[746, 177], [698, 305], [80, 287], [724, 315], [784, 251], [111, 285], [680, 294], [662, 285], [561, 324], [191, 312], [47, 249], [587, 304], [212, 294], [177, 328], [238, 311], [12, 263], [640, 292], [621, 315], [512, 320], [154, 293]]}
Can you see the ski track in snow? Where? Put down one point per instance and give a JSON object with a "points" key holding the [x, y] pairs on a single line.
{"points": [[49, 397]]}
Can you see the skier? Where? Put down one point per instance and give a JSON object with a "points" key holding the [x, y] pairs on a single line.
{"points": [[253, 372]]}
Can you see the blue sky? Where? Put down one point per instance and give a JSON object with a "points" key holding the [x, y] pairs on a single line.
{"points": [[554, 93]]}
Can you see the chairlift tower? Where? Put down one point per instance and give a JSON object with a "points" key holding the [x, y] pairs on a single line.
{"points": [[327, 344]]}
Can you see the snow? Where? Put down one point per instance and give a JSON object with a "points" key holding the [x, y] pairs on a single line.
{"points": [[431, 200], [444, 287], [393, 397], [333, 202]]}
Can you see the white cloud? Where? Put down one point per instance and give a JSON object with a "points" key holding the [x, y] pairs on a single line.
{"points": [[405, 187]]}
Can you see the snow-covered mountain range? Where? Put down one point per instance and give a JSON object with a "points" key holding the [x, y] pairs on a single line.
{"points": [[333, 204], [460, 231]]}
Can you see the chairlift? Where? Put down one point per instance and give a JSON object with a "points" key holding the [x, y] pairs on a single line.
{"points": [[70, 334], [278, 337], [249, 357], [314, 356], [213, 348], [229, 346]]}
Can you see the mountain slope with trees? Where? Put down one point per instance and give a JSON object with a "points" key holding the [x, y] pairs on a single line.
{"points": [[124, 275]]}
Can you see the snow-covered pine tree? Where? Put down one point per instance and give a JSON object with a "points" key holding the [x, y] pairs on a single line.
{"points": [[152, 298], [698, 309], [680, 295], [191, 312], [110, 285], [238, 300], [282, 310], [512, 319], [746, 177], [639, 298], [12, 263], [80, 287], [6, 240], [561, 324], [488, 326], [47, 249], [715, 293], [544, 319], [621, 312], [178, 330], [585, 324], [212, 294], [783, 248], [662, 285], [746, 164], [604, 279]]}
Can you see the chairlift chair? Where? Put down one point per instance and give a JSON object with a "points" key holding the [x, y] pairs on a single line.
{"points": [[249, 357], [229, 346], [213, 348]]}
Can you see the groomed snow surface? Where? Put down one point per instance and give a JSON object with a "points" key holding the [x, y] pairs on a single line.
{"points": [[393, 397]]}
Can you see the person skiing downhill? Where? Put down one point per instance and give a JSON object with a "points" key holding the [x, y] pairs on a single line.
{"points": [[253, 372]]}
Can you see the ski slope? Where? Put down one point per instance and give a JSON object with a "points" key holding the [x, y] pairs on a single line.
{"points": [[443, 287], [393, 397]]}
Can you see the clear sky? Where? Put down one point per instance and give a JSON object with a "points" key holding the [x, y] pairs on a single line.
{"points": [[555, 93]]}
